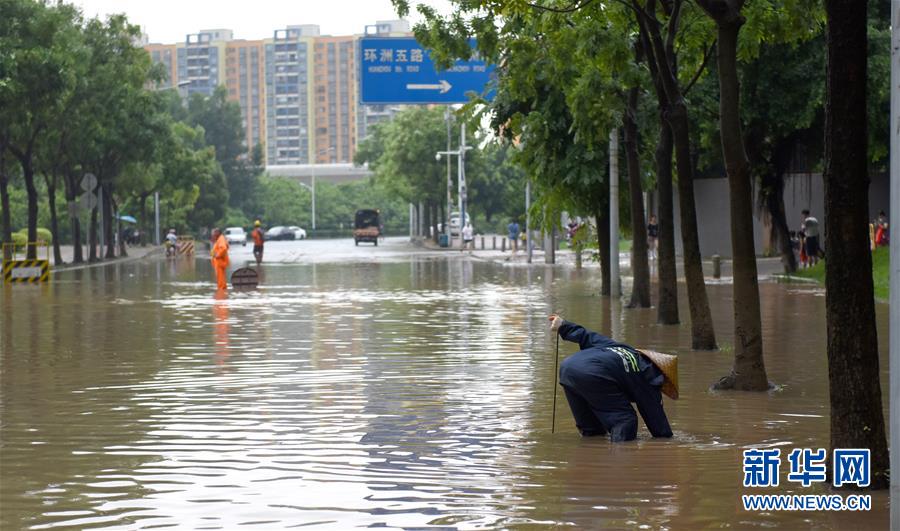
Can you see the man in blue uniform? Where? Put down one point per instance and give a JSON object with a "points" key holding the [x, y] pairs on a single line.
{"points": [[605, 377]]}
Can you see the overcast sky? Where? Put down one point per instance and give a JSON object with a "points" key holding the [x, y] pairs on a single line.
{"points": [[168, 21]]}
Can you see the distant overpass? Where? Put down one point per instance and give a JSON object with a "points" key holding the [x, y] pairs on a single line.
{"points": [[333, 173]]}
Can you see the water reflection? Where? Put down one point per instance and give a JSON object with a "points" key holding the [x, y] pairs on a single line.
{"points": [[405, 394]]}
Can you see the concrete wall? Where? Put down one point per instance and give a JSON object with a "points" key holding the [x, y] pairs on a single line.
{"points": [[713, 219], [801, 191]]}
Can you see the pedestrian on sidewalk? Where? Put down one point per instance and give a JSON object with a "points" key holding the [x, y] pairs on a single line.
{"points": [[468, 236], [652, 236], [219, 258], [605, 377], [513, 232], [811, 231], [259, 240]]}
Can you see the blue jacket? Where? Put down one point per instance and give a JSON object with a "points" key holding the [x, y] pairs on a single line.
{"points": [[600, 357]]}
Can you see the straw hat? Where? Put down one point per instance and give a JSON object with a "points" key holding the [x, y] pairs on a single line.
{"points": [[668, 365]]}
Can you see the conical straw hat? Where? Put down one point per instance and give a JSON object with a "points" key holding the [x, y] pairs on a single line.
{"points": [[668, 365]]}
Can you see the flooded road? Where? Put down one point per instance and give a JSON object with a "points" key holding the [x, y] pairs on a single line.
{"points": [[377, 387]]}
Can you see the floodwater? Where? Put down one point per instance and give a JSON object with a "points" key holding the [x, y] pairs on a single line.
{"points": [[387, 388]]}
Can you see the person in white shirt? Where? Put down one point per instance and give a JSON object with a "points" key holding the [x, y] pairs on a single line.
{"points": [[467, 236], [811, 230]]}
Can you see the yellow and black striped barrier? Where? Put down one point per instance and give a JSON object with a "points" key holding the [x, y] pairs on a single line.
{"points": [[185, 245], [28, 271]]}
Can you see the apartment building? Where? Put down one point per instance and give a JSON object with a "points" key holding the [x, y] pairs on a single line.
{"points": [[298, 90], [201, 61], [166, 55], [289, 95], [334, 79], [245, 80]]}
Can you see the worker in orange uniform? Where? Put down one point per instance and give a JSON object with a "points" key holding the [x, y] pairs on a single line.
{"points": [[258, 241], [220, 257]]}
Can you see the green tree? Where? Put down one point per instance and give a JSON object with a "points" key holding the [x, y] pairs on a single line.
{"points": [[35, 42], [401, 153], [221, 121], [285, 202]]}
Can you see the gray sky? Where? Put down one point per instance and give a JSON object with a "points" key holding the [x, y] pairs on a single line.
{"points": [[168, 21]]}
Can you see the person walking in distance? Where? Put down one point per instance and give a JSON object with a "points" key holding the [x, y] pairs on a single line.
{"points": [[220, 258], [468, 236], [513, 232], [811, 230], [258, 242], [652, 236]]}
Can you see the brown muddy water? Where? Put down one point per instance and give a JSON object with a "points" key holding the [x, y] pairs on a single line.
{"points": [[411, 393]]}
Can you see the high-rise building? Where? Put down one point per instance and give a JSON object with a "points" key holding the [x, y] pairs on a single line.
{"points": [[298, 91], [166, 55], [335, 101], [202, 60], [245, 79], [288, 95]]}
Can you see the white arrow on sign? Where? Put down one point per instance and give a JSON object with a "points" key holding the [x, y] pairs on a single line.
{"points": [[443, 86]]}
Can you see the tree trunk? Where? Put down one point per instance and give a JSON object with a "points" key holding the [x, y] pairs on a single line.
{"points": [[853, 372], [603, 243], [122, 250], [142, 204], [28, 174], [54, 220], [703, 336], [772, 191], [749, 370], [71, 195], [665, 262], [640, 292], [434, 222], [108, 225], [6, 221]]}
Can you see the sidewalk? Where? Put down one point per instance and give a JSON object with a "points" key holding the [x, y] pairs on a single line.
{"points": [[767, 268], [134, 253]]}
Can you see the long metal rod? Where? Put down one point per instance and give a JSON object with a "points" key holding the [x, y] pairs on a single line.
{"points": [[555, 376], [614, 213], [894, 310]]}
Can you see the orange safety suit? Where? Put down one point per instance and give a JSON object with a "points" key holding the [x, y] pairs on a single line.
{"points": [[258, 238], [220, 260]]}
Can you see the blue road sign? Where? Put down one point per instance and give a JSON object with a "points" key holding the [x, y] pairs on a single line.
{"points": [[400, 70]]}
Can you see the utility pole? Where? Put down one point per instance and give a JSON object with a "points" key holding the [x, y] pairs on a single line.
{"points": [[614, 288], [894, 310], [462, 180], [528, 218], [449, 183]]}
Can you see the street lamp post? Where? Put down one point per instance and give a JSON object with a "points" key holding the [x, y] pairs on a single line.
{"points": [[461, 185]]}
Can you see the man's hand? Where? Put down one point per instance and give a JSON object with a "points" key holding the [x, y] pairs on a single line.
{"points": [[555, 322]]}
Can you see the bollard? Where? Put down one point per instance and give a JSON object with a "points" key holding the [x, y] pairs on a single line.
{"points": [[503, 245], [717, 266], [494, 243], [482, 243]]}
